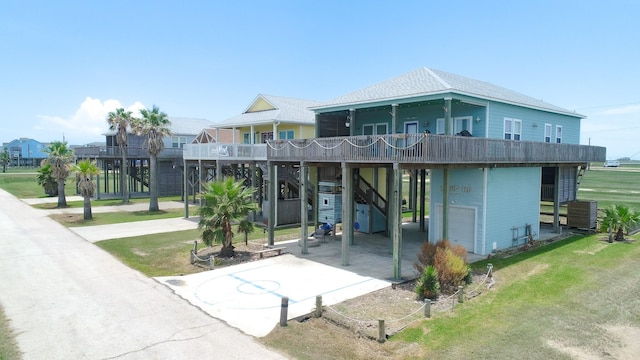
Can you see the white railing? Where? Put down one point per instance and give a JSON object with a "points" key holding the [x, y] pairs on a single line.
{"points": [[219, 151]]}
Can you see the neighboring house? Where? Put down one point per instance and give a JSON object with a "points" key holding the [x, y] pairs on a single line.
{"points": [[266, 118], [170, 178], [492, 155], [26, 152]]}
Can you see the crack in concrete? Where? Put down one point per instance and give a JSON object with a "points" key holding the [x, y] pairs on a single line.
{"points": [[169, 340]]}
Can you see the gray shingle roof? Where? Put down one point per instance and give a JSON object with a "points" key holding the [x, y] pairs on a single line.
{"points": [[287, 110], [188, 126], [426, 81]]}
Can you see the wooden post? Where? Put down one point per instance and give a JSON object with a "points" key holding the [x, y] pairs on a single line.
{"points": [[284, 308], [381, 331], [304, 213], [212, 261], [347, 212], [427, 308], [396, 220], [319, 306], [273, 200], [460, 294], [195, 246]]}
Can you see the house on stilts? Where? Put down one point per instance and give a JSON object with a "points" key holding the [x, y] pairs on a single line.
{"points": [[492, 155]]}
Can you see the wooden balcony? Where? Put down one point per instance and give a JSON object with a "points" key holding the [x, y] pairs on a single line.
{"points": [[434, 150], [113, 152], [227, 152]]}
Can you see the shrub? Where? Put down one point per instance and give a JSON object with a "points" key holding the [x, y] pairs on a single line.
{"points": [[451, 268], [450, 262], [427, 285]]}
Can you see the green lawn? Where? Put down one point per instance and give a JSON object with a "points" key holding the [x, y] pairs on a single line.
{"points": [[610, 186], [24, 185], [567, 293], [8, 347]]}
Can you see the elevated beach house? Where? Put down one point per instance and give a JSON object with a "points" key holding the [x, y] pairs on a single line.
{"points": [[170, 173], [492, 154], [244, 156]]}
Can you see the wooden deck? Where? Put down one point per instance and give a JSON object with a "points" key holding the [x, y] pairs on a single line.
{"points": [[432, 150]]}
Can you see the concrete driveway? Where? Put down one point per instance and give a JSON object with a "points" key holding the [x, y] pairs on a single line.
{"points": [[68, 299]]}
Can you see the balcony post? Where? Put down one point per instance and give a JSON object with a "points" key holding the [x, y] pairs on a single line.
{"points": [[352, 115], [445, 174], [396, 221], [185, 193], [273, 199], [556, 201], [347, 212], [394, 114], [304, 214]]}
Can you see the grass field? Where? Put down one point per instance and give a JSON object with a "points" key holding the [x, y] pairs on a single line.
{"points": [[577, 298], [572, 299]]}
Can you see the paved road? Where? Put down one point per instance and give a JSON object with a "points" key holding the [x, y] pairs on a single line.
{"points": [[68, 299]]}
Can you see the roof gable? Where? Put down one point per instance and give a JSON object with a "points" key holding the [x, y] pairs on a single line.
{"points": [[284, 110], [426, 81], [260, 104]]}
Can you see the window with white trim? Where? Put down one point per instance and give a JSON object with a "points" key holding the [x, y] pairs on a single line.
{"points": [[374, 129], [178, 141], [512, 129], [440, 126], [246, 139], [285, 134], [462, 123], [547, 133], [558, 134]]}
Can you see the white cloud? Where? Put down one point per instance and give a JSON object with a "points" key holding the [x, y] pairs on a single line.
{"points": [[622, 110], [88, 123]]}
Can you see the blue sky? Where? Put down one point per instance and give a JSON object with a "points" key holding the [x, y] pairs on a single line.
{"points": [[65, 64]]}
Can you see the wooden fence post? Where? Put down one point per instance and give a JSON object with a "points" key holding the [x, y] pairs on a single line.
{"points": [[427, 308], [460, 294], [381, 331], [319, 306], [284, 308]]}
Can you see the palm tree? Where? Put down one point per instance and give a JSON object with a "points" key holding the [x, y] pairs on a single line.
{"points": [[85, 170], [119, 121], [619, 218], [60, 159], [5, 158], [246, 227], [226, 202], [46, 180], [154, 125]]}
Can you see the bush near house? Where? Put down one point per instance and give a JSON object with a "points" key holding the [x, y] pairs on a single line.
{"points": [[450, 263]]}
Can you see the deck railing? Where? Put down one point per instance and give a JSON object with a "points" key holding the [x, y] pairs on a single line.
{"points": [[219, 151], [115, 152], [430, 149]]}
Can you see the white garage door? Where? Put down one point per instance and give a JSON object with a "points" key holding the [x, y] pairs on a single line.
{"points": [[462, 225]]}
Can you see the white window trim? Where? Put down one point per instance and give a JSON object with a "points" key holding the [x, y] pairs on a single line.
{"points": [[462, 118], [440, 126], [374, 128], [544, 136], [513, 127], [559, 136]]}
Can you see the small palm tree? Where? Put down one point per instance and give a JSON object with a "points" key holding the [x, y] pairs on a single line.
{"points": [[46, 180], [619, 218], [5, 158], [226, 202], [60, 159], [119, 121], [154, 125], [246, 227], [85, 170]]}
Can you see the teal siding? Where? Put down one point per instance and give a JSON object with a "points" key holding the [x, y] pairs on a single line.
{"points": [[513, 200], [465, 189], [425, 113], [532, 123]]}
